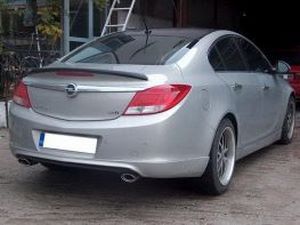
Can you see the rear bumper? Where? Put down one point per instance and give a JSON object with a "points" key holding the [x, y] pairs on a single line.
{"points": [[160, 146], [167, 169]]}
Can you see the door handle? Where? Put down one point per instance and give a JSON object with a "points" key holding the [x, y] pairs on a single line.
{"points": [[266, 87], [237, 86]]}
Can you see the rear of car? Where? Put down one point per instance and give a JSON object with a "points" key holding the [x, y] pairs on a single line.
{"points": [[154, 104], [117, 103]]}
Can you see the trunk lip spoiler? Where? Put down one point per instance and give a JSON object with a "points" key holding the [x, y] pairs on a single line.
{"points": [[97, 71], [83, 88]]}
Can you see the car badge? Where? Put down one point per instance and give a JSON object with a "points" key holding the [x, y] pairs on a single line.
{"points": [[71, 90]]}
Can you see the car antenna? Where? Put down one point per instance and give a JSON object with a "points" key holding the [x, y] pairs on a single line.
{"points": [[147, 30]]}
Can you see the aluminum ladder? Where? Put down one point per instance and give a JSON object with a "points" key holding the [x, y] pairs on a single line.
{"points": [[114, 8]]}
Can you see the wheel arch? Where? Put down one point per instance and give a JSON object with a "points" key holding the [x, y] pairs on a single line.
{"points": [[234, 122], [293, 94]]}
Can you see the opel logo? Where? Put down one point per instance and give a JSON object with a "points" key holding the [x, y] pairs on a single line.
{"points": [[71, 90]]}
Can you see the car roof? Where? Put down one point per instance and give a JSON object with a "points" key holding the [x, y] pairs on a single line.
{"points": [[189, 33]]}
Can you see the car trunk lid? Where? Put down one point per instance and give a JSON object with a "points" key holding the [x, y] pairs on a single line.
{"points": [[82, 94], [85, 93]]}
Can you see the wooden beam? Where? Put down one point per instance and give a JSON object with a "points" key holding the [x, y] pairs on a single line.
{"points": [[216, 13], [182, 17]]}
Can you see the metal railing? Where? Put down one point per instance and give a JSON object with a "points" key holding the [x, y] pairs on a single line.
{"points": [[20, 54]]}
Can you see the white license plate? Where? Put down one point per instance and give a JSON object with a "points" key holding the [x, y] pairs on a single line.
{"points": [[68, 143]]}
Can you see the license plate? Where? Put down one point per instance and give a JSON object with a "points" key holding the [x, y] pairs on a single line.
{"points": [[68, 143]]}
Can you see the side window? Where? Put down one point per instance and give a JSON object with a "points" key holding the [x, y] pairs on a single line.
{"points": [[215, 60], [231, 55], [255, 60]]}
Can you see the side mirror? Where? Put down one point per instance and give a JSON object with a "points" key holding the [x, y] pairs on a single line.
{"points": [[282, 67]]}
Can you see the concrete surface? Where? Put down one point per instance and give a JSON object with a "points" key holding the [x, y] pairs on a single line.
{"points": [[2, 115], [265, 190]]}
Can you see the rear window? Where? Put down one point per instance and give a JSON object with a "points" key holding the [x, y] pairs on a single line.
{"points": [[122, 48]]}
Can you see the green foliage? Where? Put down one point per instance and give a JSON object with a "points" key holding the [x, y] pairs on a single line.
{"points": [[100, 4], [2, 5], [49, 22], [2, 9]]}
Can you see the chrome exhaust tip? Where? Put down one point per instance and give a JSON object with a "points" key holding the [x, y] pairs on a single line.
{"points": [[26, 162], [129, 178]]}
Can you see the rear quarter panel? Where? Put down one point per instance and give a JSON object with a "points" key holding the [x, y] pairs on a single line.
{"points": [[210, 94]]}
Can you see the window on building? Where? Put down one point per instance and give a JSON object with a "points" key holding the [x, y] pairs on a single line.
{"points": [[79, 23]]}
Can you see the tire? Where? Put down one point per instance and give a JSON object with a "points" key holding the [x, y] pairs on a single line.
{"points": [[289, 123], [217, 177]]}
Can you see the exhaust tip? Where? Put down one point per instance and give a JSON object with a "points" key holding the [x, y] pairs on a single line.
{"points": [[26, 162], [129, 178]]}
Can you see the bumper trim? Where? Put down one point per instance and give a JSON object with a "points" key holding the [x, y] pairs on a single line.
{"points": [[77, 165]]}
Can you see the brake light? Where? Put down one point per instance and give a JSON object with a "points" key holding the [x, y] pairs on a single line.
{"points": [[21, 96], [73, 73], [157, 99]]}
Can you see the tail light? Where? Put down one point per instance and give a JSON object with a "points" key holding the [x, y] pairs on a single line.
{"points": [[21, 96], [157, 99]]}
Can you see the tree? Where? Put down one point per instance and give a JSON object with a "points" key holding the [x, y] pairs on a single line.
{"points": [[48, 23], [46, 19], [49, 18], [2, 7]]}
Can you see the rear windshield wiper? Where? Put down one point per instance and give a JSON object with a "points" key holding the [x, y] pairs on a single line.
{"points": [[142, 49]]}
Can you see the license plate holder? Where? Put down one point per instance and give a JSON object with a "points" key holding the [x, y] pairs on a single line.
{"points": [[69, 143]]}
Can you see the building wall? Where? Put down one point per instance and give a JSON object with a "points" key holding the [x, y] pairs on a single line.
{"points": [[198, 13], [221, 14], [158, 13], [136, 21]]}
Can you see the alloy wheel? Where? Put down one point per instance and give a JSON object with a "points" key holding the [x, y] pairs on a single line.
{"points": [[290, 120], [226, 156]]}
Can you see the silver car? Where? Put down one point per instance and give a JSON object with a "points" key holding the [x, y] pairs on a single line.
{"points": [[165, 103]]}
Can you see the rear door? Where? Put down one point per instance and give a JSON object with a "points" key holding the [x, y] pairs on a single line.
{"points": [[269, 86], [228, 63]]}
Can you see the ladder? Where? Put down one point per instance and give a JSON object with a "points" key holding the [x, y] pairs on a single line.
{"points": [[114, 8]]}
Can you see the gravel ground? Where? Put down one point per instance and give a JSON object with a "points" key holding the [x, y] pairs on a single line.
{"points": [[265, 191]]}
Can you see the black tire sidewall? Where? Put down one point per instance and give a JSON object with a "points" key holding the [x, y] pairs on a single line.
{"points": [[285, 129], [210, 178]]}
